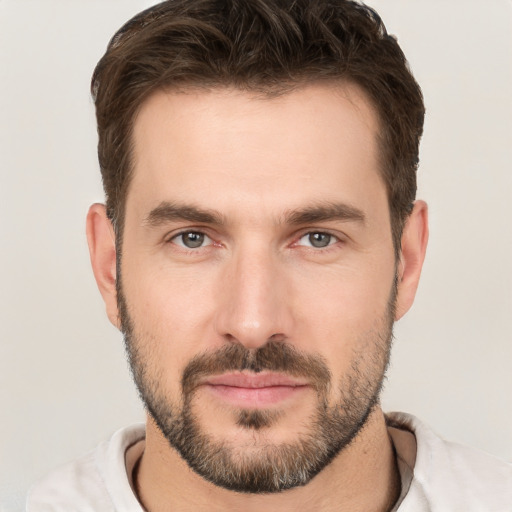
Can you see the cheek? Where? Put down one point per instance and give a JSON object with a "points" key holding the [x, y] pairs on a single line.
{"points": [[340, 314], [170, 312], [169, 295], [349, 298]]}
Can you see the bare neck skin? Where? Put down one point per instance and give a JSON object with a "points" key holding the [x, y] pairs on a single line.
{"points": [[363, 477]]}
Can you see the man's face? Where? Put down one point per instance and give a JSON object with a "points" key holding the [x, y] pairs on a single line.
{"points": [[258, 278]]}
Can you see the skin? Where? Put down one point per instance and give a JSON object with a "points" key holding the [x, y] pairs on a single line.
{"points": [[252, 161]]}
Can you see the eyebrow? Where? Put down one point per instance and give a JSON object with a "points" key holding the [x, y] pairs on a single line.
{"points": [[325, 212], [168, 212]]}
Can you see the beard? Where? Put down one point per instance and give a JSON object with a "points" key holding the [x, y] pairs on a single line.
{"points": [[268, 467]]}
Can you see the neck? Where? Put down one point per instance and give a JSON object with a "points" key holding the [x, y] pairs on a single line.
{"points": [[362, 477]]}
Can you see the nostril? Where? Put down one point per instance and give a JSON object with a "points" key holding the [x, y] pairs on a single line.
{"points": [[277, 337]]}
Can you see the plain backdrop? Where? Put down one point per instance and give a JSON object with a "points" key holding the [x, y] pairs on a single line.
{"points": [[64, 382]]}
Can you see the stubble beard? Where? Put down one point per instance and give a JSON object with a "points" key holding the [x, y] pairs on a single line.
{"points": [[272, 467]]}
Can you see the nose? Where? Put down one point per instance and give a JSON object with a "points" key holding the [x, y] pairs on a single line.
{"points": [[253, 306]]}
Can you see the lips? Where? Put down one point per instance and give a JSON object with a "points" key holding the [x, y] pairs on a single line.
{"points": [[254, 380], [251, 390]]}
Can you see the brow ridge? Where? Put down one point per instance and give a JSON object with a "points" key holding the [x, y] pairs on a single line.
{"points": [[325, 212], [168, 212]]}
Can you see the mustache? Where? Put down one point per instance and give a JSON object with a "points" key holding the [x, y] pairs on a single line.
{"points": [[275, 356]]}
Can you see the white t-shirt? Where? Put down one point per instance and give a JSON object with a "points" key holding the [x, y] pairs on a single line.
{"points": [[437, 476]]}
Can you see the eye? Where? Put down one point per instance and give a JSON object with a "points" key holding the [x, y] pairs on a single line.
{"points": [[191, 239], [317, 239]]}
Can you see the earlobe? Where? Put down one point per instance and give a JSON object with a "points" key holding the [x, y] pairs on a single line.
{"points": [[102, 251], [414, 246]]}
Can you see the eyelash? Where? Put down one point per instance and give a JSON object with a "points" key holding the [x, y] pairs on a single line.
{"points": [[333, 241], [176, 236]]}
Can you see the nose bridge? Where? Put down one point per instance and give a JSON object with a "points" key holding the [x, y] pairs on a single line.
{"points": [[252, 308]]}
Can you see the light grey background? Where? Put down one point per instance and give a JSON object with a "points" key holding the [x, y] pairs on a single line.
{"points": [[64, 384]]}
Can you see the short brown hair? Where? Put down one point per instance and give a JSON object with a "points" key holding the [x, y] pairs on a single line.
{"points": [[266, 46]]}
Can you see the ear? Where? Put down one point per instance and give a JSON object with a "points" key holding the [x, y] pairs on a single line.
{"points": [[414, 246], [102, 250]]}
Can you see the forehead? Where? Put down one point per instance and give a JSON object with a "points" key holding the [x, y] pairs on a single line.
{"points": [[305, 145]]}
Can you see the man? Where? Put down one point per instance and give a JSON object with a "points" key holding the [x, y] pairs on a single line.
{"points": [[259, 239]]}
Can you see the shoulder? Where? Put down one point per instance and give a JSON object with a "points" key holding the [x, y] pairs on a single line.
{"points": [[96, 481], [450, 476]]}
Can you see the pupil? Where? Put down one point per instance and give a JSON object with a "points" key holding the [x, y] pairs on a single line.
{"points": [[319, 239], [193, 240]]}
